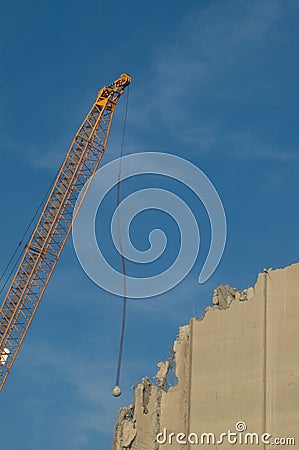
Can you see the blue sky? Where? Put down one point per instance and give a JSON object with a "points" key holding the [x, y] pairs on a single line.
{"points": [[214, 82]]}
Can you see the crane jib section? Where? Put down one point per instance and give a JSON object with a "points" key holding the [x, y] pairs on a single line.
{"points": [[54, 225]]}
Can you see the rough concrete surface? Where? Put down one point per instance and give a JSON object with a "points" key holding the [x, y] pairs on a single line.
{"points": [[239, 362]]}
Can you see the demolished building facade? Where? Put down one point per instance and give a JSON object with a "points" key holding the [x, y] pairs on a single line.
{"points": [[237, 366]]}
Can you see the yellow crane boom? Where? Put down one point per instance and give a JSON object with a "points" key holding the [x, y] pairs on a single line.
{"points": [[54, 225]]}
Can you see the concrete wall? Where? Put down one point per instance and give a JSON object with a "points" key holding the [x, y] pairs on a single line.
{"points": [[240, 362]]}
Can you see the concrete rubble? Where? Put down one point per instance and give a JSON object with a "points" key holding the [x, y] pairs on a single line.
{"points": [[228, 368]]}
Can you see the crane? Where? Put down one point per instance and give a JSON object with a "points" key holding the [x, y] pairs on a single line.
{"points": [[54, 224]]}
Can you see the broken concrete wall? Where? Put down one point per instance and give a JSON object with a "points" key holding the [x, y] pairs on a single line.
{"points": [[155, 408], [240, 362], [138, 425], [175, 402]]}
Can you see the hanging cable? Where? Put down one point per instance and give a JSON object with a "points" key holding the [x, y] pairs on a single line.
{"points": [[24, 235], [116, 390], [12, 271], [26, 231]]}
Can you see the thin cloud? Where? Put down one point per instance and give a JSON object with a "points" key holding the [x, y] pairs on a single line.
{"points": [[188, 73]]}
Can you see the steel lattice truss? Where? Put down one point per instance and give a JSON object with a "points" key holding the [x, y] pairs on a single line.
{"points": [[54, 225]]}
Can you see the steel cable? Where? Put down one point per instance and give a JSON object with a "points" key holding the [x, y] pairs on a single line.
{"points": [[123, 261], [23, 237]]}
